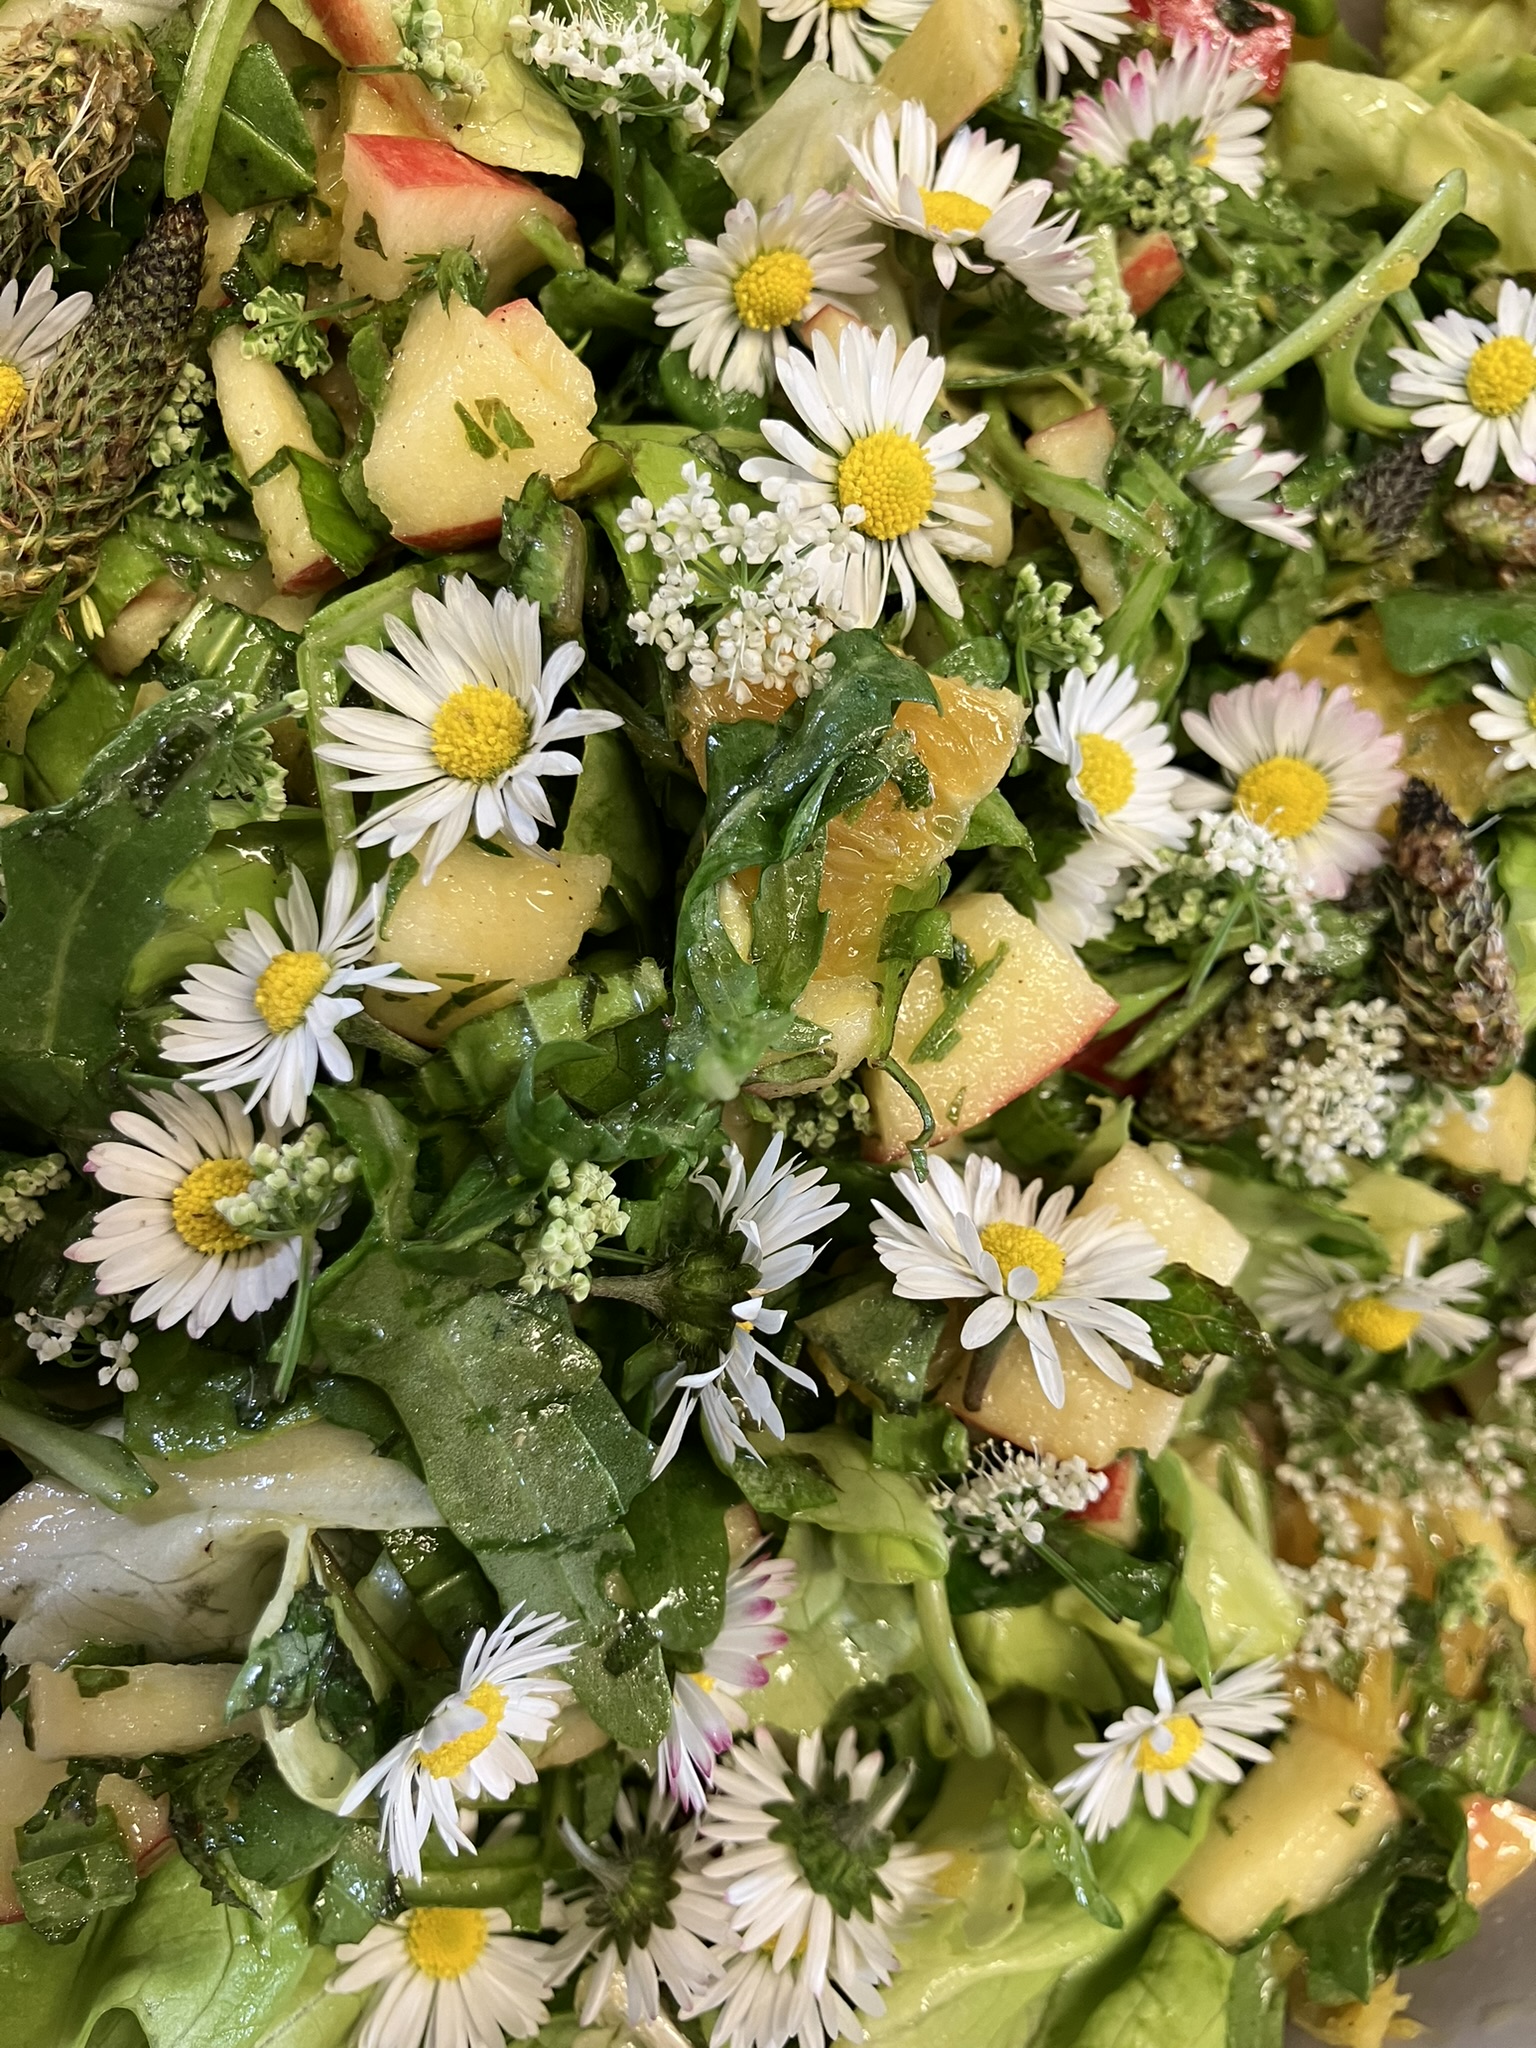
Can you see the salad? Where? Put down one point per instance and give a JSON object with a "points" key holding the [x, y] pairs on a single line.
{"points": [[769, 917]]}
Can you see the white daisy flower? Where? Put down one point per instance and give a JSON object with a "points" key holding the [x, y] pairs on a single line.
{"points": [[1310, 767], [470, 727], [854, 36], [1313, 1299], [867, 403], [732, 301], [1509, 722], [1083, 891], [1080, 29], [471, 1745], [166, 1242], [968, 196], [1197, 93], [1206, 1736], [452, 1977], [707, 1714], [645, 1915], [776, 1212], [1116, 752], [1242, 473], [32, 331], [267, 1019], [816, 1886], [1474, 383], [1024, 1262]]}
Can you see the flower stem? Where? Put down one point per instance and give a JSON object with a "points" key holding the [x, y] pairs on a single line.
{"points": [[968, 1713], [210, 64], [291, 1343], [613, 136], [1392, 270]]}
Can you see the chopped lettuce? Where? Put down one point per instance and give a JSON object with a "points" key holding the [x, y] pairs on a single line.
{"points": [[1177, 1992]]}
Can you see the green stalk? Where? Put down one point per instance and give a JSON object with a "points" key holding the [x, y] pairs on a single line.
{"points": [[1393, 270], [968, 1713], [613, 136], [1171, 1024], [291, 1343], [1022, 477], [216, 44], [97, 1465]]}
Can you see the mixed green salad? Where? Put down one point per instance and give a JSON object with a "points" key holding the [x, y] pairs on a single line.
{"points": [[769, 913]]}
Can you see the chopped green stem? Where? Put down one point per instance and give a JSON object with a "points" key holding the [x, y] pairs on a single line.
{"points": [[479, 1884], [291, 1343], [372, 1036], [216, 44], [336, 1583], [1393, 270], [957, 1689], [614, 137], [999, 453], [1173, 1022]]}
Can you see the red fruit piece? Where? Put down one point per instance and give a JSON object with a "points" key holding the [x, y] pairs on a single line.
{"points": [[1257, 35]]}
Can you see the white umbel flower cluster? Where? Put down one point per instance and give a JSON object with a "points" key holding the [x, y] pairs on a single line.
{"points": [[997, 1510], [621, 62], [740, 598], [1318, 1113], [1350, 1609], [50, 1338], [1235, 874], [578, 1205]]}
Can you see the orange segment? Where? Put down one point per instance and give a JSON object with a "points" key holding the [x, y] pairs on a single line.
{"points": [[1501, 1844]]}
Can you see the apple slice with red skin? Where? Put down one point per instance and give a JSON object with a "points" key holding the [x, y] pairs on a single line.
{"points": [[1254, 35], [1116, 1514], [1150, 267], [422, 197]]}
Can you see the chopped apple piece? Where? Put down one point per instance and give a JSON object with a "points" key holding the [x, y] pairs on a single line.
{"points": [[1150, 267], [848, 1009], [961, 54], [26, 1779], [1292, 1835], [141, 625], [262, 416], [1098, 1422], [1370, 1718], [1497, 1140], [169, 1707], [1037, 1009], [475, 406], [408, 196], [368, 110], [1501, 1845], [1137, 1184], [488, 925], [1080, 447]]}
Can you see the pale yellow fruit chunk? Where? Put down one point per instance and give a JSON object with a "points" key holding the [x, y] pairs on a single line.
{"points": [[1137, 1184], [1496, 1141], [262, 416], [847, 1008], [170, 1707], [961, 54], [487, 926], [1037, 1009], [1292, 1835], [1098, 1422], [1370, 1718]]}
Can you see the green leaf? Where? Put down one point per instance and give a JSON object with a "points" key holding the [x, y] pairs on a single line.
{"points": [[334, 525], [95, 1464], [1425, 630], [73, 1865], [1177, 1993], [926, 1444], [84, 884], [358, 1888], [262, 149], [994, 822], [1403, 1908], [1033, 1808], [1199, 1321], [544, 546], [787, 1484], [677, 1572], [276, 1837], [576, 302], [878, 1341], [883, 1530]]}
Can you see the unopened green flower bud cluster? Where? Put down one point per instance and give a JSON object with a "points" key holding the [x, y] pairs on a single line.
{"points": [[1106, 327], [295, 1189], [1048, 637], [180, 419], [21, 1183], [437, 60], [1159, 186], [817, 1123], [576, 1206], [282, 331]]}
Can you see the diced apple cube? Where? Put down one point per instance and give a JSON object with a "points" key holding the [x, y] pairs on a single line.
{"points": [[961, 54], [1137, 1184], [262, 415], [1496, 1140], [1080, 447], [1097, 1422], [464, 391], [1037, 1009], [1292, 1835], [170, 1707], [1150, 267], [415, 197], [488, 925]]}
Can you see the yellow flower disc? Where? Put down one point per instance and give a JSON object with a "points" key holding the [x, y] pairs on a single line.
{"points": [[890, 476], [479, 733], [1286, 796], [1376, 1323], [289, 984], [1015, 1244], [954, 212], [1107, 777], [13, 393], [1187, 1740], [773, 289], [449, 1758], [1502, 376], [446, 1941], [197, 1221]]}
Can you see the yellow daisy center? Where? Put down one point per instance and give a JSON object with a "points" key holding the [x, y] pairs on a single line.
{"points": [[954, 212], [1376, 1323], [13, 393], [1205, 155], [1108, 774], [450, 1758], [197, 1221], [772, 289], [479, 733], [1016, 1244], [1286, 796], [890, 476], [1502, 375], [845, 6], [1185, 1740], [703, 1681], [446, 1941], [289, 984]]}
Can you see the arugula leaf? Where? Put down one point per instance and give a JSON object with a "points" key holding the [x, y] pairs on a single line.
{"points": [[358, 1888], [1425, 630], [84, 883], [677, 1571], [877, 1341], [73, 1863], [305, 1664], [1199, 1321], [1404, 1907], [544, 545]]}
